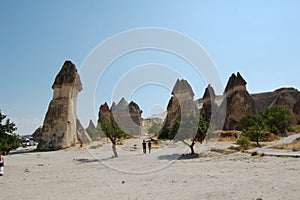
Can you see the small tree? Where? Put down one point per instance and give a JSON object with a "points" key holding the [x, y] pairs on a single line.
{"points": [[252, 127], [112, 131], [278, 119], [189, 128], [8, 140]]}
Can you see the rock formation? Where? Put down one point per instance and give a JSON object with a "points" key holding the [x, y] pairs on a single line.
{"points": [[60, 124], [94, 133], [209, 106], [182, 102], [238, 101], [296, 110], [127, 116]]}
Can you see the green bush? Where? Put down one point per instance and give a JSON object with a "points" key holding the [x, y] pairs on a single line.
{"points": [[244, 142]]}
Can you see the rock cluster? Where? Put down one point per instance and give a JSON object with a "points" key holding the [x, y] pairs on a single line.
{"points": [[127, 116], [60, 127], [238, 102]]}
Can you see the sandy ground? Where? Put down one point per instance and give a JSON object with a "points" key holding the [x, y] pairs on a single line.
{"points": [[90, 173]]}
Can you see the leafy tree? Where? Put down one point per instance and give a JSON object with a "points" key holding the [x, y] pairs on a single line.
{"points": [[112, 131], [278, 119], [252, 127], [8, 140], [189, 128]]}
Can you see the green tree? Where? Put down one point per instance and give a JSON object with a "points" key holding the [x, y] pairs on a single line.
{"points": [[112, 131], [189, 129], [252, 127], [8, 140], [278, 119]]}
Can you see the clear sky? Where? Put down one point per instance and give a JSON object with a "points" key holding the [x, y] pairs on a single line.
{"points": [[260, 39]]}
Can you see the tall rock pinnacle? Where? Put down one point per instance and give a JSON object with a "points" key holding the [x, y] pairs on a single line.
{"points": [[61, 127]]}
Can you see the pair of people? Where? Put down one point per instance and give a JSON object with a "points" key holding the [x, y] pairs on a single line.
{"points": [[144, 144], [1, 165]]}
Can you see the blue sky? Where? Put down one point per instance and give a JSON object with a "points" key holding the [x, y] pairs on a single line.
{"points": [[260, 39]]}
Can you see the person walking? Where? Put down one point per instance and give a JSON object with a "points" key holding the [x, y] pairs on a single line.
{"points": [[144, 146], [149, 146], [1, 165]]}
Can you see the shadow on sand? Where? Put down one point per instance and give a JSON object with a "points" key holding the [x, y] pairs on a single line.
{"points": [[178, 156]]}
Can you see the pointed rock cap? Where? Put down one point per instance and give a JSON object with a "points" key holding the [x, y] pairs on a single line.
{"points": [[209, 93], [133, 107], [68, 76], [104, 108], [121, 106], [91, 124], [240, 81], [182, 86], [230, 83], [235, 81]]}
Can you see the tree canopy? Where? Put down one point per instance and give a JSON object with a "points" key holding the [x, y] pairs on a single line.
{"points": [[112, 131], [278, 119], [189, 128], [252, 127], [8, 140]]}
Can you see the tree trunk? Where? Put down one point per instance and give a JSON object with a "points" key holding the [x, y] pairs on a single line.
{"points": [[257, 142], [192, 148], [114, 149]]}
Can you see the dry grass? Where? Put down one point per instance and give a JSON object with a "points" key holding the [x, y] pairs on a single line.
{"points": [[294, 146]]}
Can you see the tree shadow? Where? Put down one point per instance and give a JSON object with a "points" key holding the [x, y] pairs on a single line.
{"points": [[177, 156], [86, 160]]}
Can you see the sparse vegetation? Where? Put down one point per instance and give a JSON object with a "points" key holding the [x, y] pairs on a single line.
{"points": [[293, 146], [244, 142], [8, 139]]}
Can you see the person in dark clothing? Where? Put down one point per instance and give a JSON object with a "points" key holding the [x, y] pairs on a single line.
{"points": [[149, 146], [144, 146]]}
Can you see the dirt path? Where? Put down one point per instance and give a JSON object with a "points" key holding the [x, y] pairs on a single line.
{"points": [[268, 150]]}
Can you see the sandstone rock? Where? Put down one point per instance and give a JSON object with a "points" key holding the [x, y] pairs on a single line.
{"points": [[296, 110], [209, 106], [182, 102], [238, 102], [82, 135], [266, 99], [94, 133], [235, 83], [60, 127]]}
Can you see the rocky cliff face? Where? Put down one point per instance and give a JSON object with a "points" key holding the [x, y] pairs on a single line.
{"points": [[127, 116], [285, 97], [296, 110], [238, 102], [182, 102], [60, 126]]}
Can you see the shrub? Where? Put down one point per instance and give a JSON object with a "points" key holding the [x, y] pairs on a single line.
{"points": [[244, 142]]}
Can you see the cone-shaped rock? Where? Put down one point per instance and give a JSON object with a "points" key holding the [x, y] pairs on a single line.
{"points": [[209, 106], [238, 102], [182, 102]]}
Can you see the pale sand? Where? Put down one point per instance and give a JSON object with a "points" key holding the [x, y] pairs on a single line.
{"points": [[75, 174]]}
